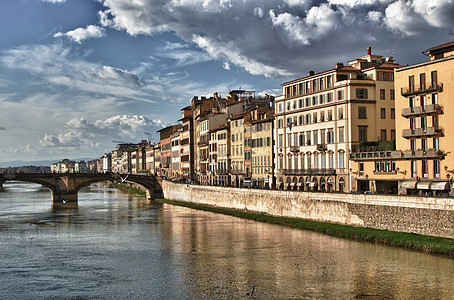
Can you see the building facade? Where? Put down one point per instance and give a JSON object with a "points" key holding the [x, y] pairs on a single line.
{"points": [[323, 117]]}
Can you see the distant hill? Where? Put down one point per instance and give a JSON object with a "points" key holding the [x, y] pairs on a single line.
{"points": [[20, 163]]}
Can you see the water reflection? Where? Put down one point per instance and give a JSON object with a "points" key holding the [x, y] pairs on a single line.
{"points": [[120, 246]]}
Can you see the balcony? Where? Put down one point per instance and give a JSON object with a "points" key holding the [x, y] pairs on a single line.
{"points": [[309, 171], [430, 109], [411, 90], [421, 154], [237, 172], [422, 132], [376, 155], [321, 147]]}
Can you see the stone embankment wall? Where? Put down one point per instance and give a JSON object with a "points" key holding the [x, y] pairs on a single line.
{"points": [[427, 216]]}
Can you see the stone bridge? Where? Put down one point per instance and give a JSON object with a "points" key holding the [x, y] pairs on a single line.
{"points": [[65, 186]]}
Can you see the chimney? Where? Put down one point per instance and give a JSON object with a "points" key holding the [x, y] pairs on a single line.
{"points": [[369, 50], [339, 65], [310, 73]]}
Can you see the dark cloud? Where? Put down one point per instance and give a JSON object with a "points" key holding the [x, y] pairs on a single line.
{"points": [[280, 38]]}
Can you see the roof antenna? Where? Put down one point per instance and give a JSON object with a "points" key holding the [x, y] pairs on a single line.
{"points": [[451, 34]]}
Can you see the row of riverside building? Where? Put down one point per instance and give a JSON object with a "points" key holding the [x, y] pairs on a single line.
{"points": [[369, 126]]}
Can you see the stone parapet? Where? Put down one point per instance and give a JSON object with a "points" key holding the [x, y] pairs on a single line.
{"points": [[422, 215]]}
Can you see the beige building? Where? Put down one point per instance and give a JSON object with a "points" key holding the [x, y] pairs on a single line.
{"points": [[261, 143], [222, 169], [187, 144], [323, 117], [237, 167], [422, 164]]}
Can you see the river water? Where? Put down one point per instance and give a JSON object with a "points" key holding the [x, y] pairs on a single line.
{"points": [[120, 246]]}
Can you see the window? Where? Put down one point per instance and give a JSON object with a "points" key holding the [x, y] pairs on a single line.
{"points": [[341, 134], [340, 113], [328, 81], [314, 100], [424, 144], [280, 141], [413, 145], [383, 113], [315, 137], [341, 160], [330, 136], [360, 169], [392, 94], [381, 76], [322, 99], [434, 78], [314, 117], [315, 161], [362, 112], [411, 83], [300, 103], [330, 115], [340, 95], [413, 169], [308, 138], [361, 93], [436, 168], [393, 113], [322, 136], [362, 133], [391, 76], [383, 135], [425, 168], [302, 137], [330, 97], [422, 81], [436, 145], [393, 134], [382, 94]]}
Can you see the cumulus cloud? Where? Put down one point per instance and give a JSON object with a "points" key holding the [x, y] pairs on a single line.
{"points": [[55, 1], [59, 66], [278, 37], [80, 34], [81, 134]]}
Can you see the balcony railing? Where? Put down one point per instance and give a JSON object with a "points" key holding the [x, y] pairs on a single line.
{"points": [[321, 147], [420, 132], [376, 155], [422, 110], [237, 172], [294, 149], [309, 171], [411, 90], [423, 154]]}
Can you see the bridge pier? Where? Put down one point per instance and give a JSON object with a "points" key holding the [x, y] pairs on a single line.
{"points": [[64, 199]]}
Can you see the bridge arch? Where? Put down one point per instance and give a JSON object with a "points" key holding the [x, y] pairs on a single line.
{"points": [[65, 186]]}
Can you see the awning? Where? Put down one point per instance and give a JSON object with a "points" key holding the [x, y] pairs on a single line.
{"points": [[298, 184], [425, 185], [410, 184], [312, 184], [438, 185], [330, 180], [292, 184]]}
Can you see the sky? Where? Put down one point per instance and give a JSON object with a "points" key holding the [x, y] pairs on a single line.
{"points": [[79, 76]]}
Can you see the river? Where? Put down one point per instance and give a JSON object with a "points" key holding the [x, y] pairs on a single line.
{"points": [[120, 246]]}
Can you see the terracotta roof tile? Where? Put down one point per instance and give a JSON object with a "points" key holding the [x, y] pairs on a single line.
{"points": [[440, 46]]}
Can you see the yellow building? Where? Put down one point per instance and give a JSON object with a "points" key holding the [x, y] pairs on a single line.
{"points": [[262, 147], [324, 116], [422, 163], [425, 100], [237, 169]]}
